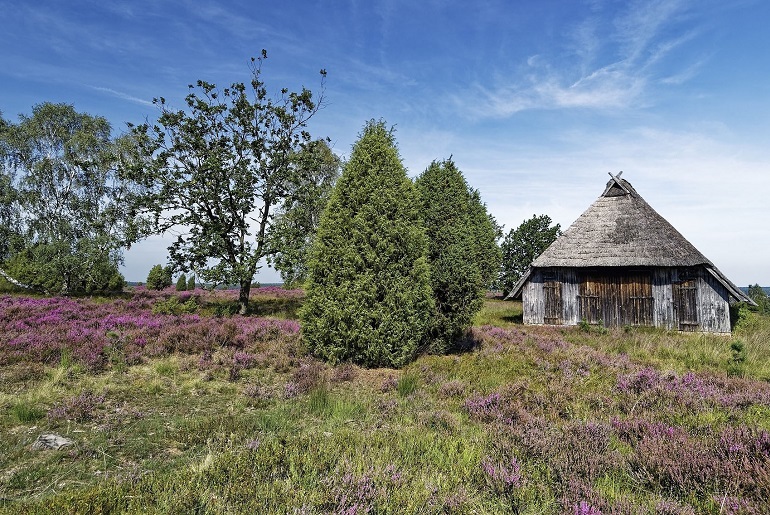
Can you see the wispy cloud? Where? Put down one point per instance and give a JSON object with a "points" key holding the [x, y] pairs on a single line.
{"points": [[609, 72]]}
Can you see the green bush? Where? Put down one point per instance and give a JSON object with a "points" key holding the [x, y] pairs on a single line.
{"points": [[172, 306], [181, 283], [159, 278], [369, 299], [191, 283], [75, 274], [462, 252]]}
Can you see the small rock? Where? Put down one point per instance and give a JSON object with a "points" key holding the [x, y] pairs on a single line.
{"points": [[50, 441]]}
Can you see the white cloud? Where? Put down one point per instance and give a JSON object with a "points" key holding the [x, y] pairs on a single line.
{"points": [[612, 72]]}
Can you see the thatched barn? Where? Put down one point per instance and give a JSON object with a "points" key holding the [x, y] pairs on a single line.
{"points": [[621, 263]]}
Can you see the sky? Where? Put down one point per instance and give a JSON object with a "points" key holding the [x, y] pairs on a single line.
{"points": [[535, 101]]}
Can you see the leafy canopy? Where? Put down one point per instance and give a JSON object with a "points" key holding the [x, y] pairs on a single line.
{"points": [[758, 295], [522, 246], [297, 221], [462, 252], [216, 173], [63, 209], [368, 290]]}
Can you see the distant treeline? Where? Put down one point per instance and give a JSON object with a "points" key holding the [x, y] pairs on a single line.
{"points": [[220, 287], [745, 289]]}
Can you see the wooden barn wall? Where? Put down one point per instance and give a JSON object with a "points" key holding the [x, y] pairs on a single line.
{"points": [[714, 304], [663, 300], [570, 290], [539, 306], [616, 297], [532, 299], [687, 299]]}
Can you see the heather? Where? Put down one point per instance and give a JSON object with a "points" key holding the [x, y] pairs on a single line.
{"points": [[100, 334], [198, 410]]}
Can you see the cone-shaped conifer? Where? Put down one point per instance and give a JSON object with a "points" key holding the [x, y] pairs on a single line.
{"points": [[368, 292], [462, 251]]}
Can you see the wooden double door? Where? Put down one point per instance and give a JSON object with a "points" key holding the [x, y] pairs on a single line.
{"points": [[616, 299]]}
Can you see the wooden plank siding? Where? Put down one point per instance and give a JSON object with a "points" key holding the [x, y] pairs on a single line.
{"points": [[616, 298], [673, 298], [714, 305], [663, 300]]}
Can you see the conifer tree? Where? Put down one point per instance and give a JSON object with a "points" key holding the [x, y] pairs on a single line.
{"points": [[368, 289], [181, 283], [463, 254]]}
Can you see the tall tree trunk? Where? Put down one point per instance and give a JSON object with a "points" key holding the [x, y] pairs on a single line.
{"points": [[243, 296]]}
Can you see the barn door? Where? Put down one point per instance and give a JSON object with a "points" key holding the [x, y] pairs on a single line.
{"points": [[686, 303], [616, 298], [552, 301], [590, 306], [636, 299]]}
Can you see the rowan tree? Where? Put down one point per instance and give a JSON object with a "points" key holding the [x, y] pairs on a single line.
{"points": [[215, 174]]}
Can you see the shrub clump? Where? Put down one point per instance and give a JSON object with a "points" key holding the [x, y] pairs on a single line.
{"points": [[159, 278], [80, 408]]}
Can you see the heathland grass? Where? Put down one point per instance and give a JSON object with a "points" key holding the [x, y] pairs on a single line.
{"points": [[204, 412]]}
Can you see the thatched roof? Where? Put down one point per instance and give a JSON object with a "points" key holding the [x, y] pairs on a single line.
{"points": [[620, 229]]}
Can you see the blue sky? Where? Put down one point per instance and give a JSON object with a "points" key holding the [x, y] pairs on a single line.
{"points": [[535, 100]]}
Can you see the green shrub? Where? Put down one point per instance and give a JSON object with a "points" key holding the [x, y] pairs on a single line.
{"points": [[462, 252], [368, 291], [159, 278], [172, 306], [191, 283], [181, 283], [39, 268]]}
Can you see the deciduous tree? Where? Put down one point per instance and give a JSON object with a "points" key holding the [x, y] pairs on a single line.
{"points": [[296, 223], [64, 210], [368, 290], [758, 295], [522, 245], [217, 172], [159, 277]]}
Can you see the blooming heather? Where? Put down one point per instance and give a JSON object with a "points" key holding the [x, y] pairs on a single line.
{"points": [[42, 329]]}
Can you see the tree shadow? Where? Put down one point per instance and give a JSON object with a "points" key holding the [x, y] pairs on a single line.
{"points": [[282, 308]]}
